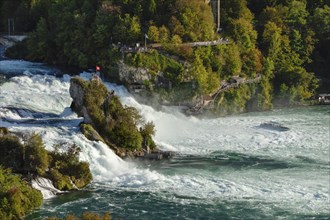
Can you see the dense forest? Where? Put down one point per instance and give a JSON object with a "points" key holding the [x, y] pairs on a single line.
{"points": [[287, 42]]}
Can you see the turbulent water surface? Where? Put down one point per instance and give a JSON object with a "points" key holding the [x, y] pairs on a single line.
{"points": [[225, 168]]}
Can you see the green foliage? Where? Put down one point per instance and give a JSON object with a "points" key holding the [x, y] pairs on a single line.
{"points": [[36, 159], [90, 133], [233, 101], [156, 62], [321, 20], [288, 42], [17, 197], [38, 42], [12, 151], [147, 131], [64, 168], [67, 169], [127, 29], [195, 15], [207, 82], [117, 124]]}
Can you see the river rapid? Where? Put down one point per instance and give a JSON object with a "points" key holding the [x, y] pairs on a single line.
{"points": [[224, 168]]}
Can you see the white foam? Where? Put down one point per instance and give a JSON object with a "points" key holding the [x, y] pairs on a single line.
{"points": [[15, 67], [38, 93], [46, 187]]}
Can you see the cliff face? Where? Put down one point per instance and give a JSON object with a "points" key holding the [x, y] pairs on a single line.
{"points": [[77, 92], [130, 74]]}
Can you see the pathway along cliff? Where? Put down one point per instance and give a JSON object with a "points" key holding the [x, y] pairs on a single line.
{"points": [[206, 101]]}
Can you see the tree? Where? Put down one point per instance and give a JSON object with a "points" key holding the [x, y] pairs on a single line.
{"points": [[147, 131], [127, 29], [38, 42], [272, 40], [297, 14], [164, 35], [153, 34], [36, 158], [320, 21]]}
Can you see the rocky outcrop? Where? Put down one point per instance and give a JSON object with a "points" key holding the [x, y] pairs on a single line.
{"points": [[90, 133], [107, 120], [77, 92], [130, 74]]}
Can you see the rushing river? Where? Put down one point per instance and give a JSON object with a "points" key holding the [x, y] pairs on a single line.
{"points": [[224, 168]]}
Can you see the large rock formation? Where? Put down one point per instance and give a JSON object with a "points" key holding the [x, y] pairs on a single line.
{"points": [[77, 92], [107, 120], [131, 75]]}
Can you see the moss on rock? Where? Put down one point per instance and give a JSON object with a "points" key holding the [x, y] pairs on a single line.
{"points": [[90, 133]]}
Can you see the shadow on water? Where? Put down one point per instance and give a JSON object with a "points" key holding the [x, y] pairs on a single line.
{"points": [[161, 205], [50, 206], [238, 161], [23, 112], [37, 118]]}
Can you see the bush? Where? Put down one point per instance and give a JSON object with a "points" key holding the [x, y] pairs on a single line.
{"points": [[12, 151], [64, 169], [60, 181], [67, 169], [36, 157], [17, 197]]}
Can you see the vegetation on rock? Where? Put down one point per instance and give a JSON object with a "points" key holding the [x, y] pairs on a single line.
{"points": [[116, 124], [30, 157], [27, 158]]}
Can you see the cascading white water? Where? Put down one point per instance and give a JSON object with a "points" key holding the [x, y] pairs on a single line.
{"points": [[48, 94], [303, 188]]}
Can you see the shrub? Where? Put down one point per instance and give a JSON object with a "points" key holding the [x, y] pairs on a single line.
{"points": [[36, 157], [67, 169], [60, 181], [12, 151], [17, 197]]}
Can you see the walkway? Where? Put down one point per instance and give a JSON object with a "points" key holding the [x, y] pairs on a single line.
{"points": [[196, 44], [158, 46], [224, 86]]}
